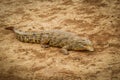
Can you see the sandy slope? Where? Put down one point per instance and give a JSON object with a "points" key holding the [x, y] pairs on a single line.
{"points": [[98, 20]]}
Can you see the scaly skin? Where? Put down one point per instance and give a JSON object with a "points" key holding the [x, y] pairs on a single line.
{"points": [[58, 38]]}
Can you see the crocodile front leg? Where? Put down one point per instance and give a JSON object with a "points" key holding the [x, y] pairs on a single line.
{"points": [[64, 50]]}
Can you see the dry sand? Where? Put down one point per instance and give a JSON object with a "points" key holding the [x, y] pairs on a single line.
{"points": [[98, 20]]}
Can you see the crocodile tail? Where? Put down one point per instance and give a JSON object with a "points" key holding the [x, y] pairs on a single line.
{"points": [[10, 28], [15, 30]]}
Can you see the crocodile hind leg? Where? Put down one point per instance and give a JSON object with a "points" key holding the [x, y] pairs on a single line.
{"points": [[44, 41], [45, 46]]}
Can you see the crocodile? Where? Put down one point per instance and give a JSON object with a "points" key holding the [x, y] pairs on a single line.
{"points": [[55, 38]]}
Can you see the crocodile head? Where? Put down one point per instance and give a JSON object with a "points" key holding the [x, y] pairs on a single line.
{"points": [[83, 44]]}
